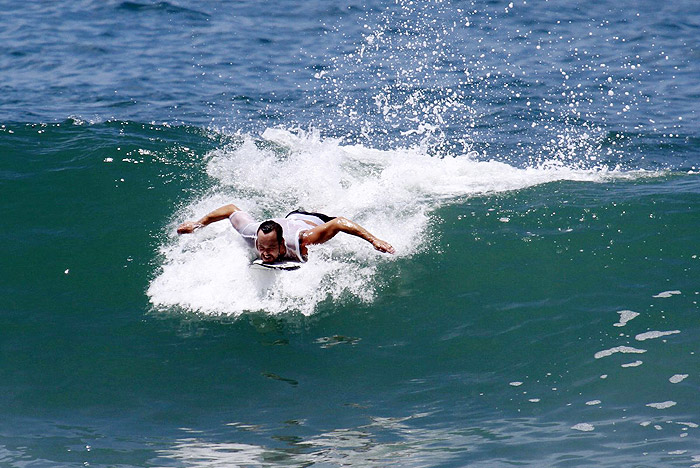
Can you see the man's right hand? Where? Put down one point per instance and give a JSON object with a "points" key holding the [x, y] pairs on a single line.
{"points": [[188, 227]]}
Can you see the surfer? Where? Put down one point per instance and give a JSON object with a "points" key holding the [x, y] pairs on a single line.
{"points": [[288, 238]]}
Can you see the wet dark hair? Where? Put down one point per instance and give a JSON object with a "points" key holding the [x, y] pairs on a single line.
{"points": [[269, 226]]}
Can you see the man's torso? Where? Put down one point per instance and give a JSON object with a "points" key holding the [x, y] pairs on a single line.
{"points": [[292, 227]]}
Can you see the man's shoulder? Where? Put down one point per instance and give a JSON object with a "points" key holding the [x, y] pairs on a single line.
{"points": [[243, 223]]}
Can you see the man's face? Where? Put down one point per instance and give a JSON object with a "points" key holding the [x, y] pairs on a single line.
{"points": [[268, 248]]}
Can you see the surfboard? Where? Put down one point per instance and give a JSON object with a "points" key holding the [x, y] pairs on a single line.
{"points": [[285, 266]]}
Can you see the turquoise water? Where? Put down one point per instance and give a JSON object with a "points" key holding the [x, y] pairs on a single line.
{"points": [[535, 166]]}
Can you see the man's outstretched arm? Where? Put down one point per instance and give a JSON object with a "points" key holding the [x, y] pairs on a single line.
{"points": [[327, 231], [217, 215]]}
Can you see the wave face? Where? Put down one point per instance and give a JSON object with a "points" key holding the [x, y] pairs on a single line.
{"points": [[536, 166]]}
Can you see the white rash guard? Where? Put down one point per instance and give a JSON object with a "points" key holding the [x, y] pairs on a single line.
{"points": [[292, 226]]}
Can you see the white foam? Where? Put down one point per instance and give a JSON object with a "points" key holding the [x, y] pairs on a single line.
{"points": [[625, 316], [392, 193], [662, 405], [678, 378], [618, 349], [583, 427], [666, 294], [655, 334], [633, 364]]}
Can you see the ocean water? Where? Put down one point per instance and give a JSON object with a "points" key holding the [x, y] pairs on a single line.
{"points": [[536, 164]]}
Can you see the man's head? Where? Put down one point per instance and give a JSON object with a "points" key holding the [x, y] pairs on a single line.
{"points": [[269, 242]]}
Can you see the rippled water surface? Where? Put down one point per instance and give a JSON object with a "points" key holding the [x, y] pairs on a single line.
{"points": [[535, 164]]}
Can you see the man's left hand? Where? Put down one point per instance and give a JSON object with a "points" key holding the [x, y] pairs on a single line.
{"points": [[383, 246]]}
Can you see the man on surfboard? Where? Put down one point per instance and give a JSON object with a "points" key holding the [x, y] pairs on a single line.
{"points": [[288, 238]]}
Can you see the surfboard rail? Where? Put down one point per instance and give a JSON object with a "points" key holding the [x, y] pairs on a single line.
{"points": [[283, 266]]}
